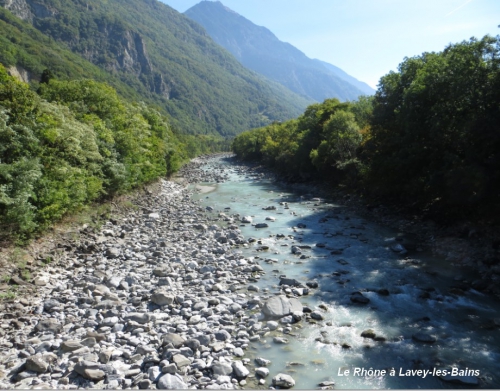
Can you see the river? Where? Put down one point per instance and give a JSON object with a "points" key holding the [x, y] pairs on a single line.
{"points": [[409, 295]]}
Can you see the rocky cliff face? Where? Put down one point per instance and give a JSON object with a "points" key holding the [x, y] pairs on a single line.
{"points": [[20, 74], [19, 8], [28, 9], [128, 47]]}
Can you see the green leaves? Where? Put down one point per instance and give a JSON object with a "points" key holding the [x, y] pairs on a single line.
{"points": [[77, 144], [435, 135], [324, 139]]}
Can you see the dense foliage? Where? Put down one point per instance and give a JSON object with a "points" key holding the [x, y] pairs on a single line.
{"points": [[429, 139], [148, 52], [321, 141], [72, 143]]}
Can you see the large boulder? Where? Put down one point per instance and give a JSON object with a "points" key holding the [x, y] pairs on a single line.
{"points": [[283, 381], [279, 306]]}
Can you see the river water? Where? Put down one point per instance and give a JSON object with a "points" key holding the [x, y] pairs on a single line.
{"points": [[409, 294]]}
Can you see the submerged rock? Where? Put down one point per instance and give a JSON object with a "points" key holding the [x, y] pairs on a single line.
{"points": [[424, 337], [358, 297]]}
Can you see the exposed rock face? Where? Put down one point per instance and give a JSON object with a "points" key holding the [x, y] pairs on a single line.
{"points": [[19, 8], [19, 73]]}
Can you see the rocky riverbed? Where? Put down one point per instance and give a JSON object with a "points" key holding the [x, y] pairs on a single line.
{"points": [[160, 297], [155, 299]]}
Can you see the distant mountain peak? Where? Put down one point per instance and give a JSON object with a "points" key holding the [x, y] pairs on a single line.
{"points": [[258, 49]]}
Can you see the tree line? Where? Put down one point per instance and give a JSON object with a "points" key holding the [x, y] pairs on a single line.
{"points": [[74, 142], [429, 139]]}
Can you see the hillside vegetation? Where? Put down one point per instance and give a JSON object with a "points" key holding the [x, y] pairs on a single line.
{"points": [[429, 139], [148, 52], [73, 143]]}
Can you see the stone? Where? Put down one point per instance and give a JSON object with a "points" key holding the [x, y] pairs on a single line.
{"points": [[161, 298], [89, 370], [144, 384], [239, 370], [36, 364], [290, 282], [368, 334], [246, 219], [161, 271], [180, 361], [279, 306], [175, 339], [424, 337], [41, 280], [222, 335], [195, 319], [70, 345], [283, 380], [94, 374], [50, 305], [114, 282], [357, 297], [312, 284], [138, 317], [170, 368], [399, 248], [90, 342], [262, 361], [261, 225], [262, 372], [113, 253], [49, 326], [193, 344], [171, 382], [317, 315], [221, 369]]}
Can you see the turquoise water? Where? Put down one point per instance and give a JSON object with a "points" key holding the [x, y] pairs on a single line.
{"points": [[418, 300]]}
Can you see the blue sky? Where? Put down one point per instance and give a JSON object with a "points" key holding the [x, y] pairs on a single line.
{"points": [[367, 38]]}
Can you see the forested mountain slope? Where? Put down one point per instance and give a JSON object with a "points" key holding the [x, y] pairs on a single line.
{"points": [[148, 51], [259, 49]]}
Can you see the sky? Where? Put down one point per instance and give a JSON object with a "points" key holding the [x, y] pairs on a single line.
{"points": [[367, 38]]}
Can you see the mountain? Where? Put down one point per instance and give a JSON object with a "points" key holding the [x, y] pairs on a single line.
{"points": [[259, 49], [348, 78], [147, 51]]}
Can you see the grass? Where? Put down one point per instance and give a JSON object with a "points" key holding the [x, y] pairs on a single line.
{"points": [[9, 295]]}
